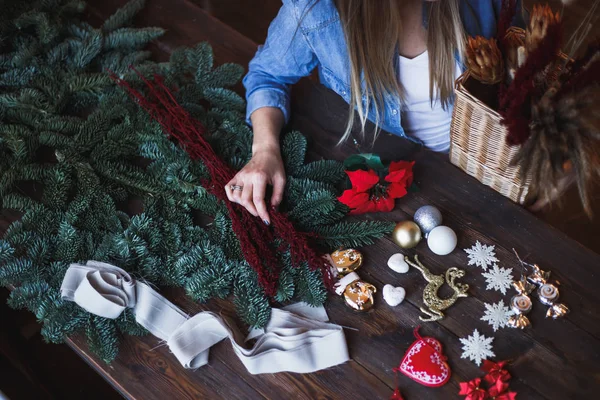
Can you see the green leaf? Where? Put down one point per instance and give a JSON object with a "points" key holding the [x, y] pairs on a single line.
{"points": [[413, 188], [363, 161]]}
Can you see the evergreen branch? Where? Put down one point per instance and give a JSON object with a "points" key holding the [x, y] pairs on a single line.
{"points": [[329, 171], [123, 15], [131, 38], [88, 153], [102, 337], [293, 151], [353, 234]]}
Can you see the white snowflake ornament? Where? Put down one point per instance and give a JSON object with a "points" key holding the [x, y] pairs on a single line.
{"points": [[477, 347], [482, 255], [498, 278], [497, 315]]}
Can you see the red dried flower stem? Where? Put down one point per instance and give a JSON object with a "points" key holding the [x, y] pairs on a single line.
{"points": [[515, 101], [255, 238], [507, 14]]}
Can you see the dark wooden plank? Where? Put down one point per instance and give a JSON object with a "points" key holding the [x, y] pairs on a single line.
{"points": [[328, 384], [569, 347], [548, 339], [143, 369]]}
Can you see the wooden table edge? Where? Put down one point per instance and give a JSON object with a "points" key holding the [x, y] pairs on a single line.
{"points": [[99, 369]]}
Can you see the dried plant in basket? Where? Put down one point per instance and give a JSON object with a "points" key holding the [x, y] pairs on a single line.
{"points": [[542, 18], [484, 60], [513, 41], [516, 99], [565, 132]]}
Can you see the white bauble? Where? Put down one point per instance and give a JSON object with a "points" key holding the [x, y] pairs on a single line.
{"points": [[442, 240]]}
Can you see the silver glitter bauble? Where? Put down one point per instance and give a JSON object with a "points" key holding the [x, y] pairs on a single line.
{"points": [[428, 217]]}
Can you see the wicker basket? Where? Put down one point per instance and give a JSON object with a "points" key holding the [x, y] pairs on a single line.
{"points": [[478, 144]]}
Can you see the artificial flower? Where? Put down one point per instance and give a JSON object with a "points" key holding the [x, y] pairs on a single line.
{"points": [[369, 194], [472, 391]]}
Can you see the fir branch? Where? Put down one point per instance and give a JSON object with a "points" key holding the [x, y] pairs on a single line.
{"points": [[123, 16], [250, 302], [293, 151], [128, 325], [225, 75], [100, 151], [318, 208], [328, 171], [28, 295], [309, 286], [88, 50], [102, 337], [353, 234], [131, 38], [225, 99], [6, 251]]}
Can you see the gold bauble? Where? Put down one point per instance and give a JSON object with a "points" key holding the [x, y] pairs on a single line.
{"points": [[407, 234], [360, 295]]}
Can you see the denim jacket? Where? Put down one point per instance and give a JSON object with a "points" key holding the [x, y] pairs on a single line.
{"points": [[300, 40]]}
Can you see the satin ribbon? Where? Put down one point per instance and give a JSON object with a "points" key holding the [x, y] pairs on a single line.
{"points": [[472, 391], [298, 339], [343, 283]]}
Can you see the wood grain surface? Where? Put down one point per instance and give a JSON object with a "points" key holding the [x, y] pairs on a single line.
{"points": [[550, 360]]}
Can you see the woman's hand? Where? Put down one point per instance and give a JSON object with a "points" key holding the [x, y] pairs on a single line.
{"points": [[249, 186]]}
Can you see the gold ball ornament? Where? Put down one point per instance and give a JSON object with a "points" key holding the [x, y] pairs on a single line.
{"points": [[360, 295], [407, 234]]}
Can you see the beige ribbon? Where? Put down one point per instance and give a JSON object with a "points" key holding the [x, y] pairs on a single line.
{"points": [[295, 340]]}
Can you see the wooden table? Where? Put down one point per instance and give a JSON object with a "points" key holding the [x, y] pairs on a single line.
{"points": [[550, 360]]}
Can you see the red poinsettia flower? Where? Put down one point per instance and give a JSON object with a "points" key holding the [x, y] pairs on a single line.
{"points": [[495, 372], [472, 390], [499, 391], [368, 194]]}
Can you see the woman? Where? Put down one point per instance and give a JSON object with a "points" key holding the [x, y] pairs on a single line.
{"points": [[394, 61]]}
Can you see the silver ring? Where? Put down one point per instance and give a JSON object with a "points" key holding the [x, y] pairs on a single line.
{"points": [[236, 187]]}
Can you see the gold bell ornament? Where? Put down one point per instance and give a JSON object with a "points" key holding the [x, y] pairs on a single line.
{"points": [[358, 294], [346, 260]]}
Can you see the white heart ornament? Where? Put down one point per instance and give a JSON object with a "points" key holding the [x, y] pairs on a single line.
{"points": [[398, 264], [393, 295]]}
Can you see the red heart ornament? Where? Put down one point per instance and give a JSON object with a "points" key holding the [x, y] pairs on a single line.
{"points": [[425, 363]]}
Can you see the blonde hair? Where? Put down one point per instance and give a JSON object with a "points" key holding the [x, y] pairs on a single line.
{"points": [[369, 27]]}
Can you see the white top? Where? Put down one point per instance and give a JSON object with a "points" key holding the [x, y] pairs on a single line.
{"points": [[421, 119]]}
